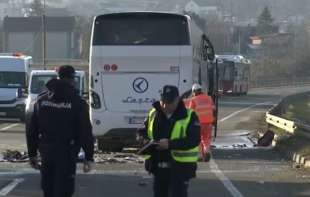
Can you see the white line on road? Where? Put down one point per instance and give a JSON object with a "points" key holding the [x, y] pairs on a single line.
{"points": [[226, 182], [9, 187], [240, 111], [135, 172], [244, 103], [9, 127], [214, 167], [29, 171]]}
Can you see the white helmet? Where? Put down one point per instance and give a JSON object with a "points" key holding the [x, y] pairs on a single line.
{"points": [[196, 87]]}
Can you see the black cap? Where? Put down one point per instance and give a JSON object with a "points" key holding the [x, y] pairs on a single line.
{"points": [[169, 93], [66, 71]]}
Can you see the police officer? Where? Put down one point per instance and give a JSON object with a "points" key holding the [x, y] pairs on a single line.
{"points": [[59, 127], [175, 131]]}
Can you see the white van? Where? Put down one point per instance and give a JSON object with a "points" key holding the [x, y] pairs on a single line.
{"points": [[38, 79], [14, 74]]}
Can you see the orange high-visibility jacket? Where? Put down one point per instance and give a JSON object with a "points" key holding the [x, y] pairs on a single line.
{"points": [[203, 105]]}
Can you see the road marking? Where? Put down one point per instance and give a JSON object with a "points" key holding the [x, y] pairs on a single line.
{"points": [[226, 182], [18, 173], [9, 127], [139, 172], [9, 187], [214, 167], [240, 111], [257, 111], [244, 103]]}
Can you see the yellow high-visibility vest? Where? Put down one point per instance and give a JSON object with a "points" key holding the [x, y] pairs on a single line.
{"points": [[178, 132]]}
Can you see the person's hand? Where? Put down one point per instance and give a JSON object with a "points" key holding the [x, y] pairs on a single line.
{"points": [[34, 163], [88, 166], [140, 139], [163, 144]]}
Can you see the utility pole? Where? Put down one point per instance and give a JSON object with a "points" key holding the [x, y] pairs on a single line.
{"points": [[231, 11], [44, 36]]}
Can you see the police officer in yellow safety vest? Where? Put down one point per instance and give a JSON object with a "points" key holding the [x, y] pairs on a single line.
{"points": [[175, 131]]}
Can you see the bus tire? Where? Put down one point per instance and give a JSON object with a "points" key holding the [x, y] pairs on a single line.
{"points": [[22, 119], [207, 157]]}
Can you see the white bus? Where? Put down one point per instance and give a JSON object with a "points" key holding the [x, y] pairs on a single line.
{"points": [[132, 56], [14, 74]]}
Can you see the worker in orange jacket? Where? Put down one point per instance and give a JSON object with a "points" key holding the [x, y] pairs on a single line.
{"points": [[204, 106]]}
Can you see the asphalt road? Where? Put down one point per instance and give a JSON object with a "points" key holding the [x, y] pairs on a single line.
{"points": [[237, 172]]}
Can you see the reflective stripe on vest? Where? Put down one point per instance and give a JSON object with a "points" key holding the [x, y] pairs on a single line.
{"points": [[178, 132], [151, 118]]}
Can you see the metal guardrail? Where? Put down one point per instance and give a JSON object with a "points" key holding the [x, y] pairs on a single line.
{"points": [[273, 117], [281, 123], [279, 82]]}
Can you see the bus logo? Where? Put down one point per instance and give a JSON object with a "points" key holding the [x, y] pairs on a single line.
{"points": [[140, 85]]}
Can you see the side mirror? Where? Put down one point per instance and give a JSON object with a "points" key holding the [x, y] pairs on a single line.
{"points": [[208, 52]]}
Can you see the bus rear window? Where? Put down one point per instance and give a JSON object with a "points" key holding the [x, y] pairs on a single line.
{"points": [[141, 29]]}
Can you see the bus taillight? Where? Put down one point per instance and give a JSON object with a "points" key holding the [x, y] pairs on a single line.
{"points": [[107, 67], [114, 67], [18, 54]]}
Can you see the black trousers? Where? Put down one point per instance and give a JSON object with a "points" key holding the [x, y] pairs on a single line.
{"points": [[168, 184], [58, 175]]}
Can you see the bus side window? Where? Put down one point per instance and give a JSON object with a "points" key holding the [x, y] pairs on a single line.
{"points": [[207, 49]]}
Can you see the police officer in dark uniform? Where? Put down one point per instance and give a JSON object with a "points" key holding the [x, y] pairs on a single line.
{"points": [[174, 133], [58, 128]]}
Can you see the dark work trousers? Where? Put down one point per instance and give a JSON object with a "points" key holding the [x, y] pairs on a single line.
{"points": [[166, 184], [57, 173]]}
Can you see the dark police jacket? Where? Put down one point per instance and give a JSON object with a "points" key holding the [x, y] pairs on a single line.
{"points": [[60, 122], [163, 129]]}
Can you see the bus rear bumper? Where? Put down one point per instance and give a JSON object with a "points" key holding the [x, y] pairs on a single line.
{"points": [[116, 128]]}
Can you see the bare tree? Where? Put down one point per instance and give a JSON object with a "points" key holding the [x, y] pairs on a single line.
{"points": [[36, 8], [83, 29], [301, 51]]}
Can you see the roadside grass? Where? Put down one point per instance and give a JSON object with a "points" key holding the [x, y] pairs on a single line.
{"points": [[294, 144], [299, 108]]}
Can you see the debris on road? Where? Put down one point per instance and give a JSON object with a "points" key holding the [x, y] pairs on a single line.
{"points": [[118, 158], [266, 139], [239, 145], [100, 157], [296, 166], [233, 142], [14, 156]]}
